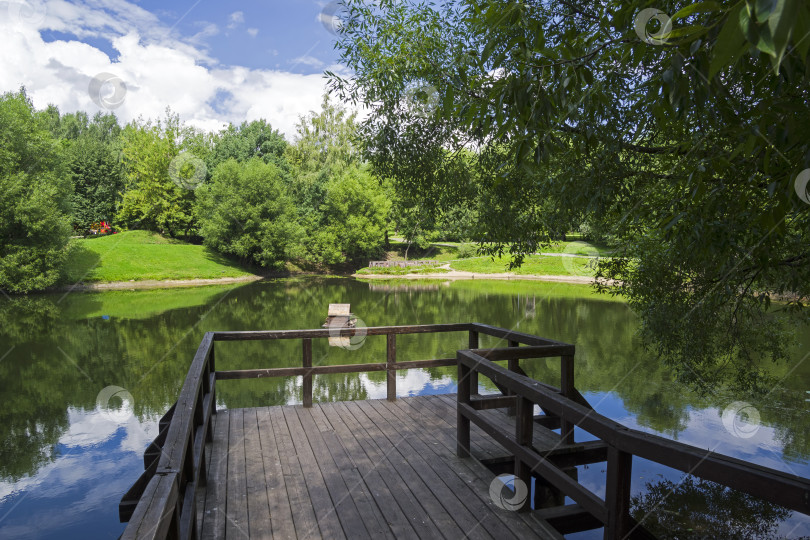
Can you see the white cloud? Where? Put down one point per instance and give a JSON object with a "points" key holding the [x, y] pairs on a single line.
{"points": [[159, 69], [236, 18], [253, 32], [207, 30], [307, 60]]}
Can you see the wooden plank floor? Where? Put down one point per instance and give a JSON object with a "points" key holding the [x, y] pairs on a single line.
{"points": [[357, 469]]}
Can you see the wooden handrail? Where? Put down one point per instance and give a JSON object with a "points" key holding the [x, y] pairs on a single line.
{"points": [[340, 332], [787, 490], [162, 501], [166, 507]]}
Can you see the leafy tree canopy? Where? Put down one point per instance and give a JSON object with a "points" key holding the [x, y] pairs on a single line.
{"points": [[245, 211], [677, 133], [34, 198], [163, 168], [92, 152], [343, 208], [249, 140]]}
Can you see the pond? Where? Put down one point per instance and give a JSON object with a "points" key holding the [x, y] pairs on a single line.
{"points": [[66, 458]]}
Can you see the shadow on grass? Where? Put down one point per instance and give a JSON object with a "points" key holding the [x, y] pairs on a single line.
{"points": [[79, 265], [235, 263]]}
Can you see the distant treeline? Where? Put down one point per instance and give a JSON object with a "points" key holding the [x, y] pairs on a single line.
{"points": [[244, 191]]}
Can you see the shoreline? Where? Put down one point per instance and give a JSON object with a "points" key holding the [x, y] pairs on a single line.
{"points": [[454, 275], [152, 284], [461, 275]]}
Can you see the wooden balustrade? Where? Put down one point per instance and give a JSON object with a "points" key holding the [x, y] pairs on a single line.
{"points": [[161, 503], [787, 490]]}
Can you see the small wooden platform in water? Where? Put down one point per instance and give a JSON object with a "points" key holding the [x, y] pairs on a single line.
{"points": [[416, 467], [357, 469]]}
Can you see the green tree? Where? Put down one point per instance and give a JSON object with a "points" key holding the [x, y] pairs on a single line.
{"points": [[355, 211], [249, 140], [343, 208], [97, 175], [160, 181], [93, 158], [34, 198], [245, 211], [681, 143]]}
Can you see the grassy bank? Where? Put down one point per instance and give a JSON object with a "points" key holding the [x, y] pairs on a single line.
{"points": [[538, 265], [397, 271], [141, 255], [450, 251], [559, 262]]}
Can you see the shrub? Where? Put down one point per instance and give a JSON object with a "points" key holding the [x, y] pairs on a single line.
{"points": [[34, 199], [245, 211], [465, 251]]}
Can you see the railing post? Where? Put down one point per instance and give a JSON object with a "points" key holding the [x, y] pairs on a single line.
{"points": [[462, 422], [307, 362], [213, 368], [524, 423], [208, 387], [617, 493], [514, 365], [473, 344], [567, 389], [390, 361]]}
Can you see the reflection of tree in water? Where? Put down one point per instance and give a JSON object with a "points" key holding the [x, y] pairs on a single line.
{"points": [[150, 339], [699, 509], [25, 318]]}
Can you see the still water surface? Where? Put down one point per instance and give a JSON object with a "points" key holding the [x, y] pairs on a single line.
{"points": [[66, 459]]}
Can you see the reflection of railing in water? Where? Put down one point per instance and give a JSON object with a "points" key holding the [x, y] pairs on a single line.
{"points": [[163, 501]]}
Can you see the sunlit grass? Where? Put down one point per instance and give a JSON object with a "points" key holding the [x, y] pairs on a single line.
{"points": [[539, 265], [140, 255]]}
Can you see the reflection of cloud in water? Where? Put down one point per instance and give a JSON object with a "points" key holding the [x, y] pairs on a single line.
{"points": [[704, 429], [92, 442], [89, 428], [413, 382]]}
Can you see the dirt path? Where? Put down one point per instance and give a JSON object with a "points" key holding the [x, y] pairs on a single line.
{"points": [[153, 284]]}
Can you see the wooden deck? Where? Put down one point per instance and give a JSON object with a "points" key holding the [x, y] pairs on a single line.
{"points": [[418, 467], [359, 469]]}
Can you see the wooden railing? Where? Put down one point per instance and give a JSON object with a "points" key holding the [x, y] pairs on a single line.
{"points": [[787, 490], [162, 502]]}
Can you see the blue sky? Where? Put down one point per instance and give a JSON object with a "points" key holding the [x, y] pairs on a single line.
{"points": [[212, 62], [254, 34]]}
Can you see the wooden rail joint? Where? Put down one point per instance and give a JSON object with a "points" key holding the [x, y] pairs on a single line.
{"points": [[161, 502], [620, 442]]}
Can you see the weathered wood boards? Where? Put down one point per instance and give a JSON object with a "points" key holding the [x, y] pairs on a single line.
{"points": [[365, 469]]}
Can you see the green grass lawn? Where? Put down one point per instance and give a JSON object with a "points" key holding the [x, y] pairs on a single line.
{"points": [[578, 247], [141, 255], [432, 253], [397, 271], [533, 265], [448, 251]]}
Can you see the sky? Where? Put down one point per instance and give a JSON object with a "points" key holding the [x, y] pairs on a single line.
{"points": [[210, 61]]}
